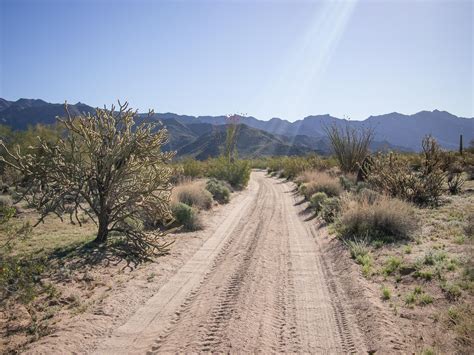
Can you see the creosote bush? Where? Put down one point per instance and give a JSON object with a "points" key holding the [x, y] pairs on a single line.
{"points": [[105, 166], [220, 192], [186, 216], [382, 218], [236, 173], [192, 168]]}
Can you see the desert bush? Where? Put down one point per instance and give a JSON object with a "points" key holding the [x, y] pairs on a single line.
{"points": [[236, 173], [350, 145], [347, 182], [220, 192], [330, 208], [193, 194], [186, 216], [390, 173], [381, 219], [317, 201], [321, 182], [192, 168]]}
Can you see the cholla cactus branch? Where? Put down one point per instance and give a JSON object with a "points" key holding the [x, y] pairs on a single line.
{"points": [[105, 166]]}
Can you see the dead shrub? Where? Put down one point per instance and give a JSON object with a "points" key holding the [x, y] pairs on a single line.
{"points": [[380, 218]]}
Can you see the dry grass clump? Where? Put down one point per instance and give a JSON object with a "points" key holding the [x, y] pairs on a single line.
{"points": [[192, 193], [320, 182], [380, 218], [307, 176]]}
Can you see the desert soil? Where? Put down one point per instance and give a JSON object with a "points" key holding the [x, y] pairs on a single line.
{"points": [[260, 277]]}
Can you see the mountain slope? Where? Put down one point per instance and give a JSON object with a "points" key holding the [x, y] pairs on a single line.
{"points": [[394, 130], [251, 142], [25, 112]]}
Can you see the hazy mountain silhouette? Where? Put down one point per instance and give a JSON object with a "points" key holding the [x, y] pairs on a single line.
{"points": [[200, 136]]}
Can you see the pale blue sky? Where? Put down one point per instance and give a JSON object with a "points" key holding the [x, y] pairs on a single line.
{"points": [[286, 59]]}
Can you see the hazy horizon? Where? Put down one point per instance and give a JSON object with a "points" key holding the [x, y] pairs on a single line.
{"points": [[285, 59]]}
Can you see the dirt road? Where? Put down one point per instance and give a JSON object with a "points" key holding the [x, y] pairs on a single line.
{"points": [[258, 283]]}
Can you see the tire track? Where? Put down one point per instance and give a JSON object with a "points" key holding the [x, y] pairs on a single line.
{"points": [[259, 284]]}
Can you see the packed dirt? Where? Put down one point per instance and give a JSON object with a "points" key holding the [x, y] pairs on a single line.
{"points": [[260, 277]]}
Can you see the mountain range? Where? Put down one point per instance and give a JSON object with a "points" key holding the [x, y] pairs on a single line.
{"points": [[203, 136]]}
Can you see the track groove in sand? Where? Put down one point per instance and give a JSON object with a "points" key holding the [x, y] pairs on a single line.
{"points": [[258, 283]]}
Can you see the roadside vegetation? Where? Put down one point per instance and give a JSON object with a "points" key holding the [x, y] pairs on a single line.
{"points": [[407, 221], [93, 194]]}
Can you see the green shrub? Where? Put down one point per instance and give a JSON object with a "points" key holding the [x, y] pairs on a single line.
{"points": [[357, 248], [425, 299], [410, 298], [381, 219], [386, 293], [425, 274], [330, 209], [317, 201], [236, 173], [452, 291], [392, 264], [346, 182], [219, 191], [192, 168], [186, 216]]}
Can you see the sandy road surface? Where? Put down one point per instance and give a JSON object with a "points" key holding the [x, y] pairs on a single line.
{"points": [[257, 284]]}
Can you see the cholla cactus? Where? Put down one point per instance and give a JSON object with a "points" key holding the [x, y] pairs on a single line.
{"points": [[105, 166]]}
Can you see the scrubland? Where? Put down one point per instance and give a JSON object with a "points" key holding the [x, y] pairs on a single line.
{"points": [[404, 222]]}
